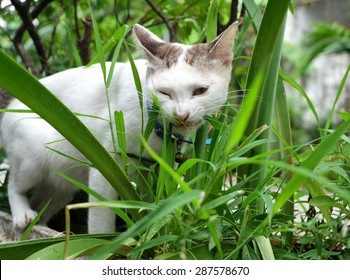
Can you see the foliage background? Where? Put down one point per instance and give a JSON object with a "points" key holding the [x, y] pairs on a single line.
{"points": [[62, 29]]}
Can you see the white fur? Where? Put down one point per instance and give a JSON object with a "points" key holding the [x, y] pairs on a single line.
{"points": [[26, 137]]}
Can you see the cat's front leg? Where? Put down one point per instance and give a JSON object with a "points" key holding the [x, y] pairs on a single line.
{"points": [[101, 220], [22, 214]]}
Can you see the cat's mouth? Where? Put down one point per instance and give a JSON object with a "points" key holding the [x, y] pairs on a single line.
{"points": [[188, 126]]}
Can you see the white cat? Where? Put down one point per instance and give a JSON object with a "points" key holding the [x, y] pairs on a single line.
{"points": [[190, 82]]}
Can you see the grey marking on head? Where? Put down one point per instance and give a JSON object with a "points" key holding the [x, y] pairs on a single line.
{"points": [[164, 55], [169, 53], [160, 54], [197, 55], [218, 52], [202, 58]]}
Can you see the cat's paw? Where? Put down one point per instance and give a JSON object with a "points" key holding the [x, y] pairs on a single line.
{"points": [[20, 222]]}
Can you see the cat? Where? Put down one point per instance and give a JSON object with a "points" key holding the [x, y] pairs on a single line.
{"points": [[190, 82]]}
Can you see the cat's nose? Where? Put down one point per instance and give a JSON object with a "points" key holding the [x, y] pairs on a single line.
{"points": [[181, 116]]}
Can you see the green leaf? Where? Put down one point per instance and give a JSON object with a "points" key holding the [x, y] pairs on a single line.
{"points": [[294, 84], [344, 116], [265, 247], [34, 222], [121, 135], [161, 240], [324, 201], [266, 61], [200, 252], [254, 13], [116, 53], [339, 92], [23, 249], [212, 20], [244, 115], [221, 200], [98, 42], [76, 247], [116, 37]]}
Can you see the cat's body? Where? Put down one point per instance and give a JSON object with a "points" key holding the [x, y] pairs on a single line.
{"points": [[26, 137], [189, 81]]}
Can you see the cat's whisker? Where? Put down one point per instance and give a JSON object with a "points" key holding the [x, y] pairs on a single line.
{"points": [[237, 90]]}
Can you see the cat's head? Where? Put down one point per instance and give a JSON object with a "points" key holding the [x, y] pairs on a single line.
{"points": [[190, 81]]}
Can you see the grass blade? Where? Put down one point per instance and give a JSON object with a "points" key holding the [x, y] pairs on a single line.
{"points": [[116, 37], [98, 43], [340, 90], [33, 223], [294, 84], [212, 20], [244, 115]]}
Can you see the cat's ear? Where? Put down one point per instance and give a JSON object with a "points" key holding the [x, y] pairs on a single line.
{"points": [[148, 41], [222, 46]]}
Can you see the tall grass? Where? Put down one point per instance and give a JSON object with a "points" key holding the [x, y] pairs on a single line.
{"points": [[198, 211]]}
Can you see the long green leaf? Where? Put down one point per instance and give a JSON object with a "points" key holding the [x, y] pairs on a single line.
{"points": [[294, 84], [116, 37], [34, 222], [77, 247], [212, 20], [161, 240], [23, 249], [121, 135], [265, 247], [98, 44], [244, 114], [339, 92], [265, 59], [254, 13], [285, 132]]}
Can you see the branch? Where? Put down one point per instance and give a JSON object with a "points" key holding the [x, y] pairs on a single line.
{"points": [[76, 19], [17, 40], [23, 11], [5, 98], [34, 14], [234, 11], [27, 60], [84, 43], [171, 29], [233, 16]]}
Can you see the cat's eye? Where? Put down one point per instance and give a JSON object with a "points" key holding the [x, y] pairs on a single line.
{"points": [[164, 93], [199, 91]]}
